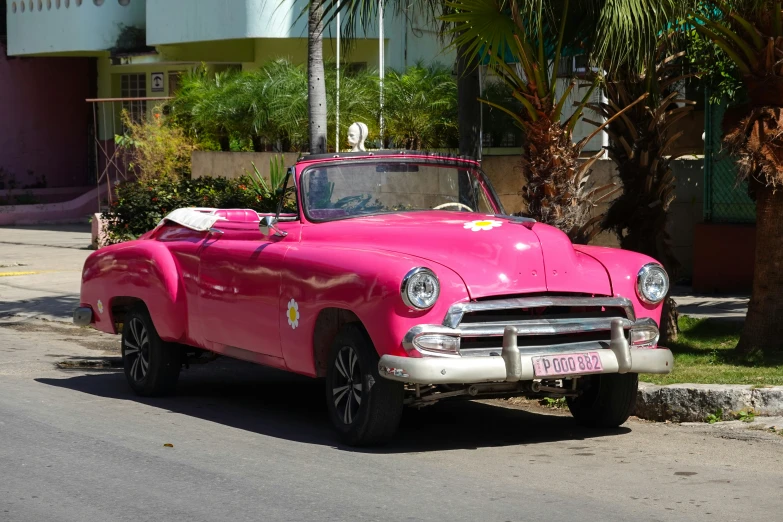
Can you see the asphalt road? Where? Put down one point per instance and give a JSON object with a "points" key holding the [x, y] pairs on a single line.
{"points": [[254, 444]]}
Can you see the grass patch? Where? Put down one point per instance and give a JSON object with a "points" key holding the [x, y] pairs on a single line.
{"points": [[705, 354], [557, 404]]}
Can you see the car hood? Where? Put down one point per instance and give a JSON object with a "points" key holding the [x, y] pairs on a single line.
{"points": [[493, 255]]}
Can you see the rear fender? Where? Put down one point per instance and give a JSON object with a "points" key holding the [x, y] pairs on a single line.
{"points": [[143, 270]]}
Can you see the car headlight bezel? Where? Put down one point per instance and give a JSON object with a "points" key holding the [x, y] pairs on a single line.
{"points": [[410, 284], [645, 273]]}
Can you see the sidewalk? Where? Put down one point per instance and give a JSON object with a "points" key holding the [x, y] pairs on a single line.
{"points": [[40, 271], [731, 307]]}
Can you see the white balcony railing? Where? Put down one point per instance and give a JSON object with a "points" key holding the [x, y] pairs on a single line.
{"points": [[186, 21], [70, 26]]}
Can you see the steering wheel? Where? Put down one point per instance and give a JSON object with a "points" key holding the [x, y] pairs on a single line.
{"points": [[453, 204]]}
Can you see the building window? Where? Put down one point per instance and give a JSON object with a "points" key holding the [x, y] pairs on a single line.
{"points": [[174, 77], [134, 86]]}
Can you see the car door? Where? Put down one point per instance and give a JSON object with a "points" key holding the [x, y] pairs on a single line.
{"points": [[239, 289]]}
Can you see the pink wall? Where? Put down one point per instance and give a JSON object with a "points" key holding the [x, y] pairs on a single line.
{"points": [[44, 119]]}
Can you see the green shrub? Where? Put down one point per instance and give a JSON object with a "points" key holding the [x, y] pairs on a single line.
{"points": [[154, 148], [142, 204]]}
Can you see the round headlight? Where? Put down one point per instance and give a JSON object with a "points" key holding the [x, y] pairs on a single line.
{"points": [[420, 288], [652, 283]]}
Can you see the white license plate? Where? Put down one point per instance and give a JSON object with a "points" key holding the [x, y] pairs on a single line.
{"points": [[567, 364]]}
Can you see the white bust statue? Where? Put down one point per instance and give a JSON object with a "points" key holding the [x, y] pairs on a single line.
{"points": [[357, 133]]}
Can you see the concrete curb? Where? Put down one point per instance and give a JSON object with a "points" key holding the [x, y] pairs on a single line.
{"points": [[694, 402]]}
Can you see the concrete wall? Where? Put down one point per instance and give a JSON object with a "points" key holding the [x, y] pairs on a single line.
{"points": [[234, 164], [44, 119], [69, 26]]}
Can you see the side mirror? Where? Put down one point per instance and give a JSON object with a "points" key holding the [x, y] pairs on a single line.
{"points": [[268, 226]]}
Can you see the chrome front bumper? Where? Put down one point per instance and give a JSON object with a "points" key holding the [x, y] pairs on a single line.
{"points": [[512, 366]]}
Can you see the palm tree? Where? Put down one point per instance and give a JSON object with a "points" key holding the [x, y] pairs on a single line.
{"points": [[750, 32], [421, 107], [316, 81], [523, 42], [641, 142], [202, 108], [285, 91]]}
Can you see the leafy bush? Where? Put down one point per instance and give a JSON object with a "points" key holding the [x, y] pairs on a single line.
{"points": [[277, 175], [154, 148], [266, 109], [142, 204], [420, 107]]}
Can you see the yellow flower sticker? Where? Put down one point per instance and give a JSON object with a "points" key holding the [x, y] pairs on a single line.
{"points": [[100, 306], [293, 314], [482, 224]]}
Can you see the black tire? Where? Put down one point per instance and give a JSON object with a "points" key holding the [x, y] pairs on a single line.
{"points": [[367, 413], [151, 365], [606, 400]]}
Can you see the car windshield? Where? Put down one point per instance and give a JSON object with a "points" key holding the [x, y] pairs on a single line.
{"points": [[343, 190]]}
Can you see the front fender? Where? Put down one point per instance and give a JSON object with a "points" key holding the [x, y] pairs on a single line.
{"points": [[623, 267], [365, 282], [141, 269]]}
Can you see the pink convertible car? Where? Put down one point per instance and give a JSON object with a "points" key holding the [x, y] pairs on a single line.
{"points": [[400, 281]]}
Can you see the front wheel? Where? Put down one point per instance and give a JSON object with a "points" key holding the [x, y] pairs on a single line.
{"points": [[151, 365], [363, 407], [606, 400]]}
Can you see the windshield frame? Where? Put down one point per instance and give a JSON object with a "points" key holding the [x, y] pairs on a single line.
{"points": [[474, 170]]}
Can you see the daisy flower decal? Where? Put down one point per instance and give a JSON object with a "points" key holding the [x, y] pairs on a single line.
{"points": [[482, 224], [293, 314]]}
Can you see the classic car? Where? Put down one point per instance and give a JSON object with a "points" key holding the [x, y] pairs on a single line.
{"points": [[400, 281]]}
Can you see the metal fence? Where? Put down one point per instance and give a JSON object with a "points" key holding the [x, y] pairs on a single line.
{"points": [[725, 201]]}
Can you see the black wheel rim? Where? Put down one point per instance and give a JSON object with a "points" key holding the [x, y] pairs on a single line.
{"points": [[347, 384], [136, 350]]}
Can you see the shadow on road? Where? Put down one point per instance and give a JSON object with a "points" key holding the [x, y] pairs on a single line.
{"points": [[57, 305], [286, 406]]}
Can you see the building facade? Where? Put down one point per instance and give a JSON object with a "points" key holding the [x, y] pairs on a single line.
{"points": [[110, 49]]}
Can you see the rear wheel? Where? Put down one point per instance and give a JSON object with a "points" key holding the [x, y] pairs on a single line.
{"points": [[151, 365], [364, 408], [606, 400]]}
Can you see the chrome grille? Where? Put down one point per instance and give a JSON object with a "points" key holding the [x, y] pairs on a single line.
{"points": [[545, 324]]}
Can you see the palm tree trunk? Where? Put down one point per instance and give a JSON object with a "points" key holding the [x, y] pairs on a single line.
{"points": [[763, 331], [469, 108], [553, 194], [315, 78]]}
